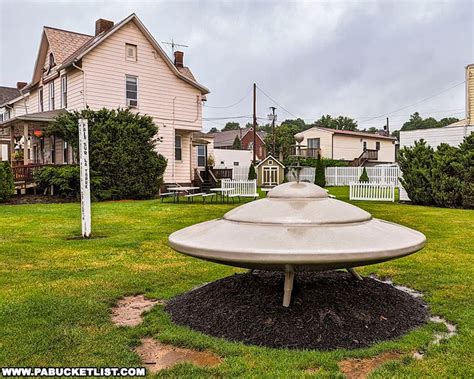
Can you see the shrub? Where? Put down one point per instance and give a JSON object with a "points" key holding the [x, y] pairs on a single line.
{"points": [[320, 175], [64, 179], [415, 163], [252, 172], [447, 175], [122, 151], [7, 185], [467, 159], [364, 177]]}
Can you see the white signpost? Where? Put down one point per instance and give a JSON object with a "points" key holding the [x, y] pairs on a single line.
{"points": [[85, 178]]}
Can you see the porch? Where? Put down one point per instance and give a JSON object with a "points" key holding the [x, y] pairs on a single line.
{"points": [[24, 140]]}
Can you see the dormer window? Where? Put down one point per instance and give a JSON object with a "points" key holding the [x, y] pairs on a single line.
{"points": [[130, 52]]}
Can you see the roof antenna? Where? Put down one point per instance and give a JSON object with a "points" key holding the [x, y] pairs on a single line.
{"points": [[173, 45]]}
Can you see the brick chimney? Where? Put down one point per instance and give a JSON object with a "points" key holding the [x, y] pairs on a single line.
{"points": [[21, 85], [470, 94], [101, 25], [178, 58]]}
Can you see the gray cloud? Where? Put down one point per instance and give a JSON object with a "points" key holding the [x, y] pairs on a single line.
{"points": [[353, 58]]}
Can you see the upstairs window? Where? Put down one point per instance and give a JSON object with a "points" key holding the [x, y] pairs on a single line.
{"points": [[132, 91], [130, 52], [51, 96], [314, 143], [377, 145], [364, 145], [177, 148], [40, 100], [64, 91]]}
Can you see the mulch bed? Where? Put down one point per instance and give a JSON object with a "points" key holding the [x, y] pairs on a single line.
{"points": [[328, 310]]}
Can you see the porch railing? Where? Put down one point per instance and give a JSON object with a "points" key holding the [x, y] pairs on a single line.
{"points": [[26, 173]]}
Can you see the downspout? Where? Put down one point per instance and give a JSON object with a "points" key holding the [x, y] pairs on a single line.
{"points": [[24, 101], [84, 92], [174, 142]]}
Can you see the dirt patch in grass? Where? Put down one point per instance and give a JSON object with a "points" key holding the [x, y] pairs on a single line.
{"points": [[329, 310], [361, 368], [157, 356], [128, 310]]}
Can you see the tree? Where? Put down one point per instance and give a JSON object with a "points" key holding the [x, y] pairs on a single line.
{"points": [[364, 178], [447, 174], [122, 151], [7, 185], [214, 130], [284, 139], [237, 145], [418, 122], [252, 172], [231, 126], [340, 123], [416, 162], [320, 175]]}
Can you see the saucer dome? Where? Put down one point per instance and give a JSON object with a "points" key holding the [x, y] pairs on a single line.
{"points": [[297, 225]]}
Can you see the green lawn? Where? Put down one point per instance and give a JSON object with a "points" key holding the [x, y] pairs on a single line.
{"points": [[56, 292]]}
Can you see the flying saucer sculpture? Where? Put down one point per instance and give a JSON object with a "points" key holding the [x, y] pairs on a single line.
{"points": [[297, 227]]}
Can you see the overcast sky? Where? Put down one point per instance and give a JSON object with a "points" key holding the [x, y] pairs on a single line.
{"points": [[352, 58]]}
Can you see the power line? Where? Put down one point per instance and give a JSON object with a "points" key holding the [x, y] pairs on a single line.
{"points": [[418, 102], [281, 106], [232, 105], [225, 118]]}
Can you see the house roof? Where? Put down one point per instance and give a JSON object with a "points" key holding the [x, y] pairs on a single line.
{"points": [[8, 93], [270, 157], [351, 133], [64, 43], [226, 138], [184, 73], [38, 117]]}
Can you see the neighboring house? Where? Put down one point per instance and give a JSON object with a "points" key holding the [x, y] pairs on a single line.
{"points": [[452, 134], [122, 65], [227, 158], [7, 94], [225, 140], [270, 172], [357, 148]]}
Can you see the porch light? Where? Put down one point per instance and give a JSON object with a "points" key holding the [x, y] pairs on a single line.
{"points": [[38, 133]]}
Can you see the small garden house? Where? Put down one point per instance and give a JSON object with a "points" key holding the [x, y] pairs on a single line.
{"points": [[270, 172]]}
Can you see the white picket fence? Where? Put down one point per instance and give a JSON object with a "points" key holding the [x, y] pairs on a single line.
{"points": [[244, 188], [307, 174], [343, 176], [371, 191]]}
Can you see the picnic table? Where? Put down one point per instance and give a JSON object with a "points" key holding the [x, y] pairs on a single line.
{"points": [[224, 192], [177, 190]]}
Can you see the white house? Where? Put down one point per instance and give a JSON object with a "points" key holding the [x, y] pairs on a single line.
{"points": [[452, 134], [120, 65], [227, 158]]}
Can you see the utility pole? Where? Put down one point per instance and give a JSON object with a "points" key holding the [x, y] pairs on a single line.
{"points": [[254, 123], [272, 117], [388, 129]]}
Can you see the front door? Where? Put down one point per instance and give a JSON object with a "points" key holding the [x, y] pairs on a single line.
{"points": [[270, 176], [201, 155]]}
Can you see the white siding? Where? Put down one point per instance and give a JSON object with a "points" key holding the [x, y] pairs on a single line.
{"points": [[227, 157], [172, 103], [452, 135]]}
